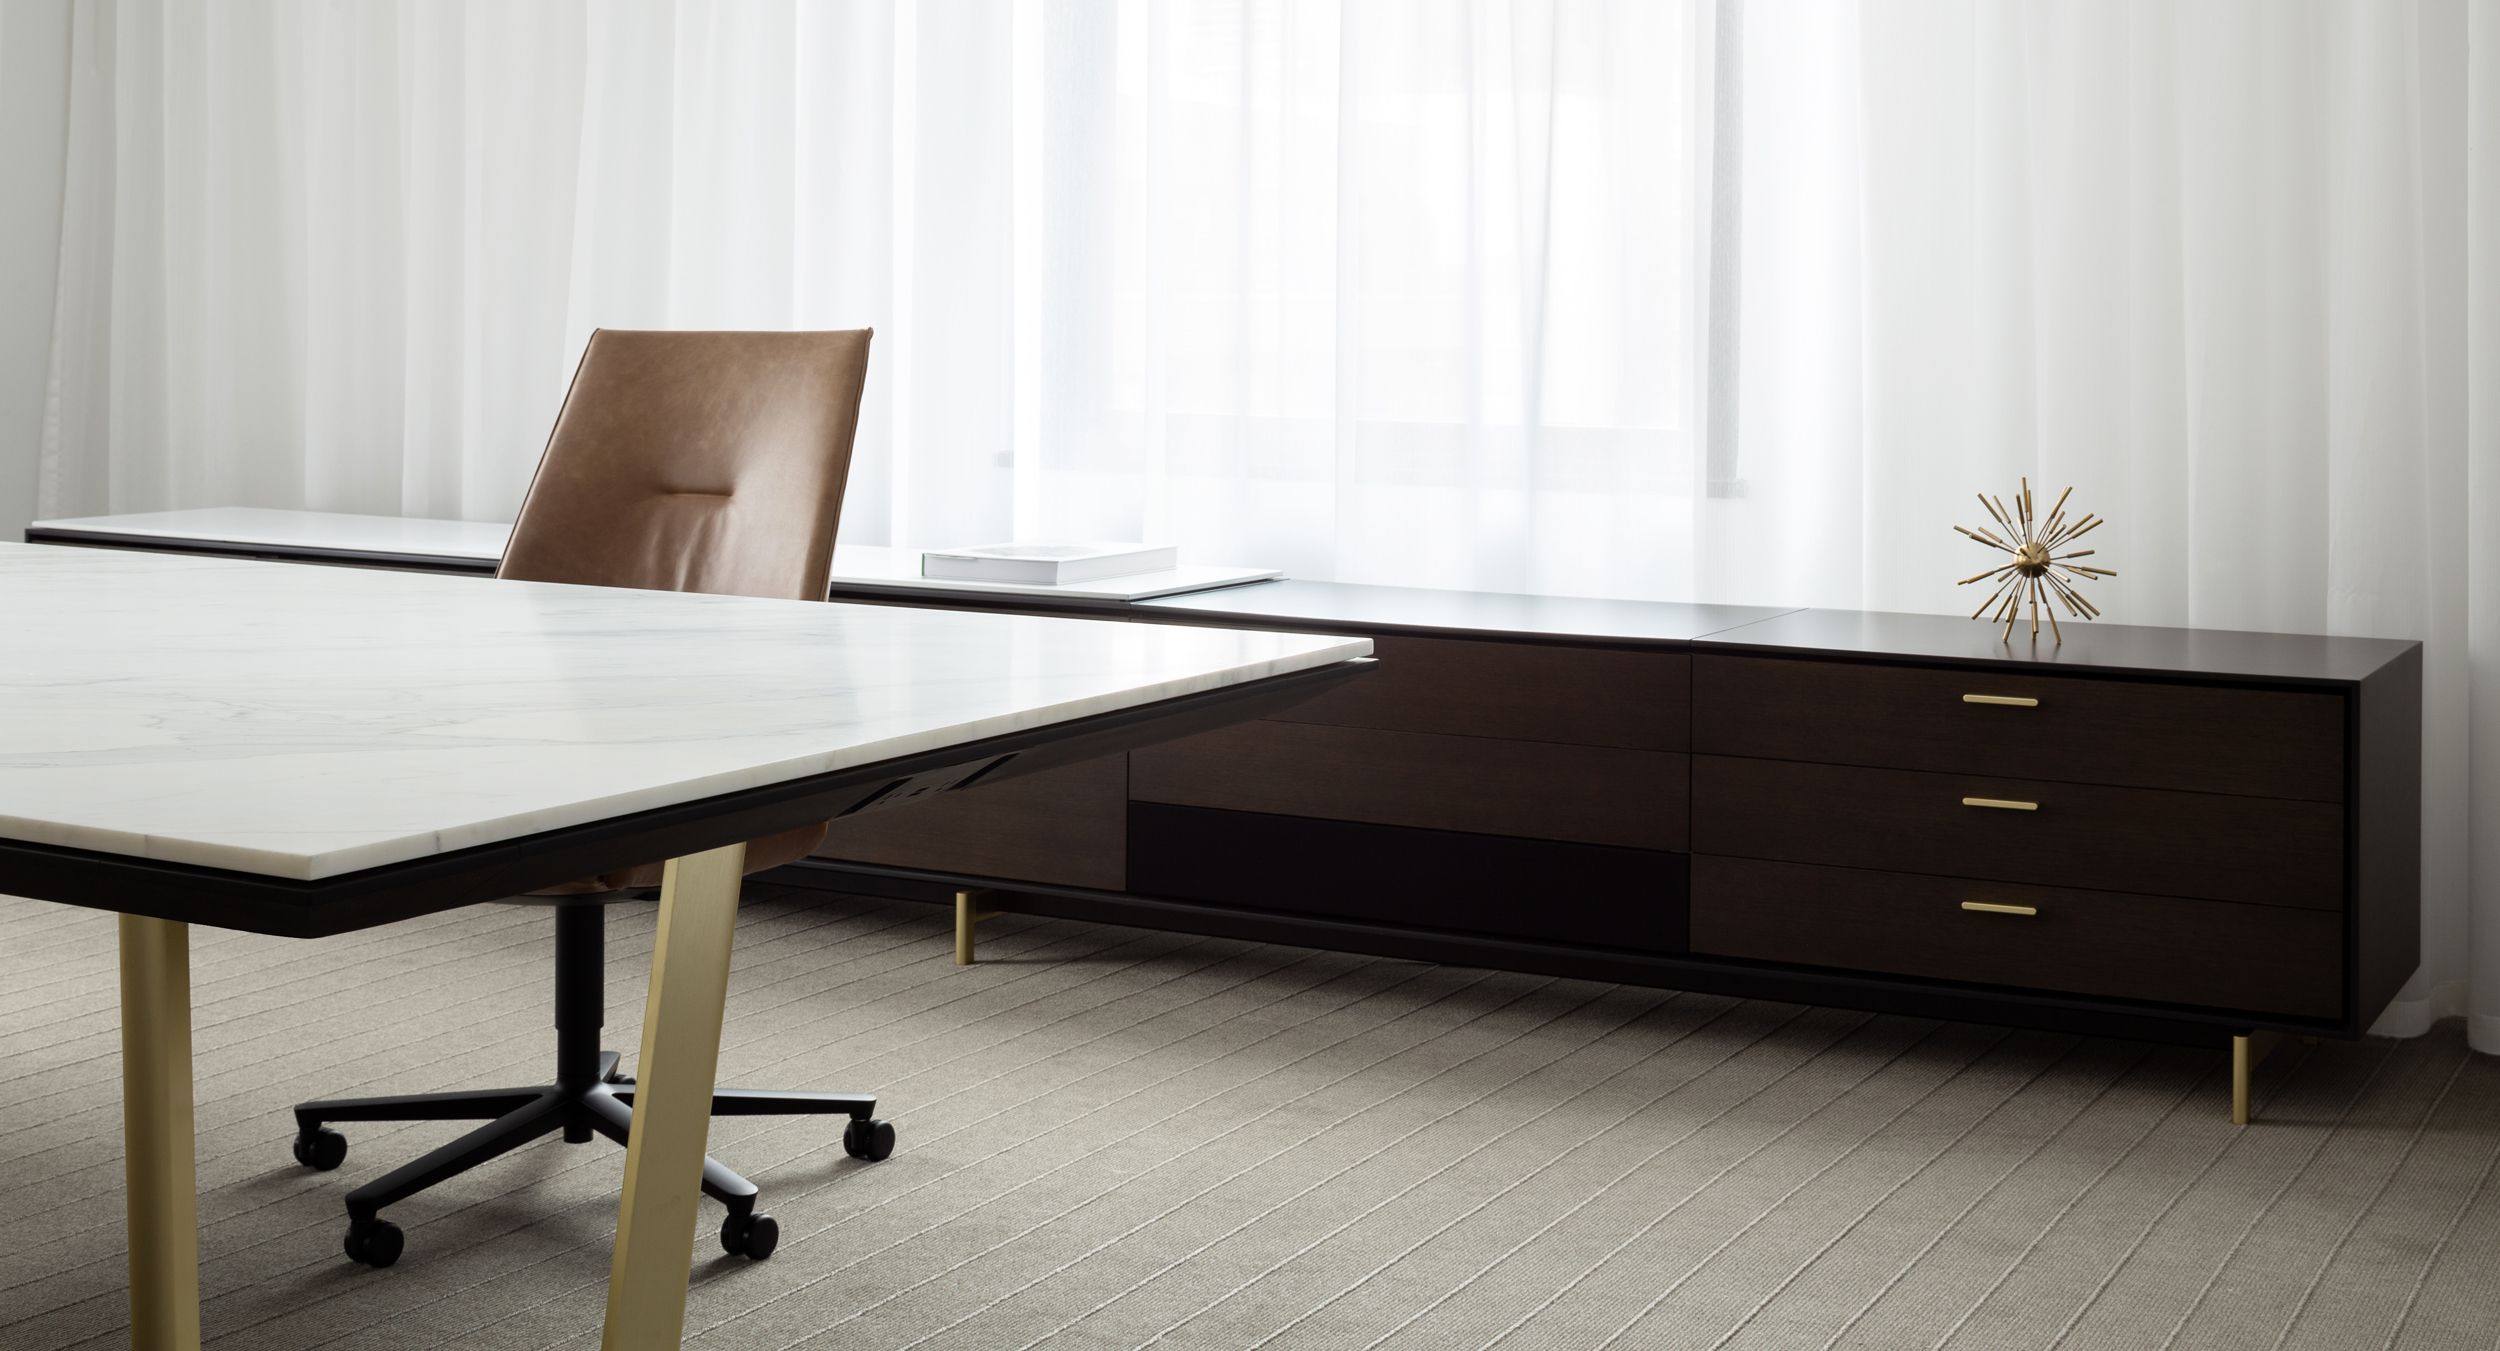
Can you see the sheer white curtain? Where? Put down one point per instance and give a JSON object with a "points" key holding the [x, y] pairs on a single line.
{"points": [[1396, 289], [1678, 300]]}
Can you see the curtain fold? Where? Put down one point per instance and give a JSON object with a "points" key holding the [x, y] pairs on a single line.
{"points": [[1608, 297], [2477, 735]]}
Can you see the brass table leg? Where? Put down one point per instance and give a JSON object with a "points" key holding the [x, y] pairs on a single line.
{"points": [[2246, 1050], [158, 1159], [966, 916], [673, 1101]]}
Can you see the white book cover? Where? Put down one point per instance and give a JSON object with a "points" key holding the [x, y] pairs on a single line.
{"points": [[1046, 564]]}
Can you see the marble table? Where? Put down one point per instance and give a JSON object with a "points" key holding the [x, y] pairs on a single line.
{"points": [[477, 546], [323, 536], [306, 751]]}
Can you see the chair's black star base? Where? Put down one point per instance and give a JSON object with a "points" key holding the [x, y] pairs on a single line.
{"points": [[588, 1098]]}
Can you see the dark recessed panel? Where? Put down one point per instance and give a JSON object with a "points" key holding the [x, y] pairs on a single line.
{"points": [[1486, 785], [1579, 894]]}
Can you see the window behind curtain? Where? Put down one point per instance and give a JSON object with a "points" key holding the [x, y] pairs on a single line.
{"points": [[1399, 291]]}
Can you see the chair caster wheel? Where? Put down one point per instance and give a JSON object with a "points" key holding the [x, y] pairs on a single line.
{"points": [[750, 1236], [867, 1139], [376, 1243], [321, 1149]]}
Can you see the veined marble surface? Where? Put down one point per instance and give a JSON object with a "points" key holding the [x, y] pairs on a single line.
{"points": [[863, 566], [303, 722]]}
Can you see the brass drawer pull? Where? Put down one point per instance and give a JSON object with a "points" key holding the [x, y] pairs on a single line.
{"points": [[1992, 908], [2001, 804], [2008, 700]]}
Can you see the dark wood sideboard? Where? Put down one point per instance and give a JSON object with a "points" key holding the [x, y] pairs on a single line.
{"points": [[2170, 834]]}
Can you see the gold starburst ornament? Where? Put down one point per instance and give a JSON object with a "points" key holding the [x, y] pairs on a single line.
{"points": [[2036, 570]]}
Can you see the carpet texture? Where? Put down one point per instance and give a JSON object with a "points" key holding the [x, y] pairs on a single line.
{"points": [[1118, 1138]]}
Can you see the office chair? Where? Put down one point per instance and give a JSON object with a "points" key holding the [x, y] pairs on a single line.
{"points": [[681, 462]]}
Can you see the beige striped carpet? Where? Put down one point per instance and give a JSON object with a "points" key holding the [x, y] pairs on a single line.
{"points": [[1116, 1138]]}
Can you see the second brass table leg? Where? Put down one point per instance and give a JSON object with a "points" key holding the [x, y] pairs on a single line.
{"points": [[673, 1101], [159, 1159]]}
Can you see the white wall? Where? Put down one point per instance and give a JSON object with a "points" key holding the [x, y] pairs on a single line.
{"points": [[34, 117]]}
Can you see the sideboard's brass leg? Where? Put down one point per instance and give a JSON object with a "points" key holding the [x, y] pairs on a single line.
{"points": [[673, 1100], [158, 1157], [966, 916], [2246, 1050]]}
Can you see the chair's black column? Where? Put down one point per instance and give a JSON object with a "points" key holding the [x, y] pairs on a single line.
{"points": [[581, 1004]]}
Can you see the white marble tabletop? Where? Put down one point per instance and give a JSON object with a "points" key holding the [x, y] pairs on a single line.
{"points": [[303, 722], [869, 567]]}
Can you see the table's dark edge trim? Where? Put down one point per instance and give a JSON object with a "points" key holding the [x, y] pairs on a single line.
{"points": [[229, 548], [1906, 995], [506, 868]]}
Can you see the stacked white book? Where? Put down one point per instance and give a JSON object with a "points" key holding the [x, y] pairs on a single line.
{"points": [[1046, 564]]}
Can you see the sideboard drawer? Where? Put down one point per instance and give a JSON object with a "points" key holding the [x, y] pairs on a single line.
{"points": [[1537, 790], [2076, 729], [2212, 954], [2211, 845], [1523, 691]]}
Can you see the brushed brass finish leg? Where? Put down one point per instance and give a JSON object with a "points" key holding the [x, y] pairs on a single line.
{"points": [[967, 915], [2246, 1050], [673, 1101], [158, 1161]]}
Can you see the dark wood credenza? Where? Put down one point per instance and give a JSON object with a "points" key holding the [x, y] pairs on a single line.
{"points": [[2170, 834], [2161, 833]]}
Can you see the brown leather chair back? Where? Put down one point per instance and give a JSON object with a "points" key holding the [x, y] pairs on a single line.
{"points": [[696, 462]]}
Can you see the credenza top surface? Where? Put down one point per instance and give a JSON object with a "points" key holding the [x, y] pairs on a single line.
{"points": [[1484, 614], [2093, 648]]}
